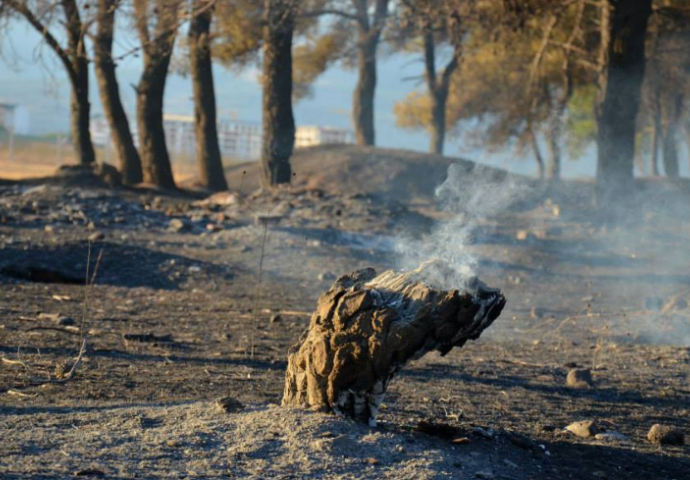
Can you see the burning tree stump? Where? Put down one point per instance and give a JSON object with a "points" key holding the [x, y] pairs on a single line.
{"points": [[367, 327]]}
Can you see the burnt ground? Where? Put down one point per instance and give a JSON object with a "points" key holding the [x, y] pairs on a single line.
{"points": [[176, 318]]}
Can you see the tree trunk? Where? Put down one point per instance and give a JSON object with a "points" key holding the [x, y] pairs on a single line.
{"points": [[670, 149], [278, 120], [130, 163], [363, 100], [438, 120], [553, 164], [367, 327], [157, 50], [368, 34], [620, 85], [656, 136], [208, 155], [537, 153], [79, 105], [80, 117], [670, 131], [75, 61], [438, 91], [154, 151]]}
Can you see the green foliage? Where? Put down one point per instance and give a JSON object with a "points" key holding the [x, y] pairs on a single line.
{"points": [[237, 32], [314, 57], [581, 125]]}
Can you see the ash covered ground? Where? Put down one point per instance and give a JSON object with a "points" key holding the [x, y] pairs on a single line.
{"points": [[177, 318]]}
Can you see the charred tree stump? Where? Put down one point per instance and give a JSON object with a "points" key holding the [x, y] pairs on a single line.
{"points": [[367, 327]]}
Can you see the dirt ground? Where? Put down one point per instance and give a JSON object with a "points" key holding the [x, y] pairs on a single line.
{"points": [[180, 314]]}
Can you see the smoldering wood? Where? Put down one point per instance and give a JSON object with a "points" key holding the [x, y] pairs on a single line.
{"points": [[366, 328]]}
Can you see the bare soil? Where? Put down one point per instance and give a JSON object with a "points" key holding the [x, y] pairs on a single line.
{"points": [[177, 318]]}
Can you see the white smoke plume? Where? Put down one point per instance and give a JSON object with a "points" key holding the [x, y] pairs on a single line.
{"points": [[468, 197]]}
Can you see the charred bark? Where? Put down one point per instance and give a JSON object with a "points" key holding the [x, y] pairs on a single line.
{"points": [[278, 120], [623, 65], [367, 327], [157, 51], [121, 135], [208, 154]]}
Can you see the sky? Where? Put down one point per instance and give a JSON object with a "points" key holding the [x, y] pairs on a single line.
{"points": [[31, 75]]}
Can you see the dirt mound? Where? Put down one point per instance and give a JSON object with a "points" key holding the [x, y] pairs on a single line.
{"points": [[403, 175]]}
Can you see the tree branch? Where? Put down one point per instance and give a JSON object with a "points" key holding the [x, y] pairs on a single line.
{"points": [[23, 10]]}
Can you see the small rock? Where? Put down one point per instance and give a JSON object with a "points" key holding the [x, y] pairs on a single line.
{"points": [[612, 437], [53, 317], [665, 435], [177, 225], [583, 429], [48, 229], [326, 276], [276, 318], [461, 441], [65, 321], [371, 461], [172, 443], [229, 405], [579, 378], [96, 236]]}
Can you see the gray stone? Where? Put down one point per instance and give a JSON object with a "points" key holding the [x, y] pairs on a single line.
{"points": [[583, 429], [665, 435], [579, 378]]}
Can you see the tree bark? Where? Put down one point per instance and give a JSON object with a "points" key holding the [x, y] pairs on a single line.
{"points": [[670, 131], [367, 327], [157, 50], [438, 89], [79, 105], [656, 136], [537, 152], [368, 35], [620, 89], [130, 163], [670, 149], [208, 154], [278, 120]]}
